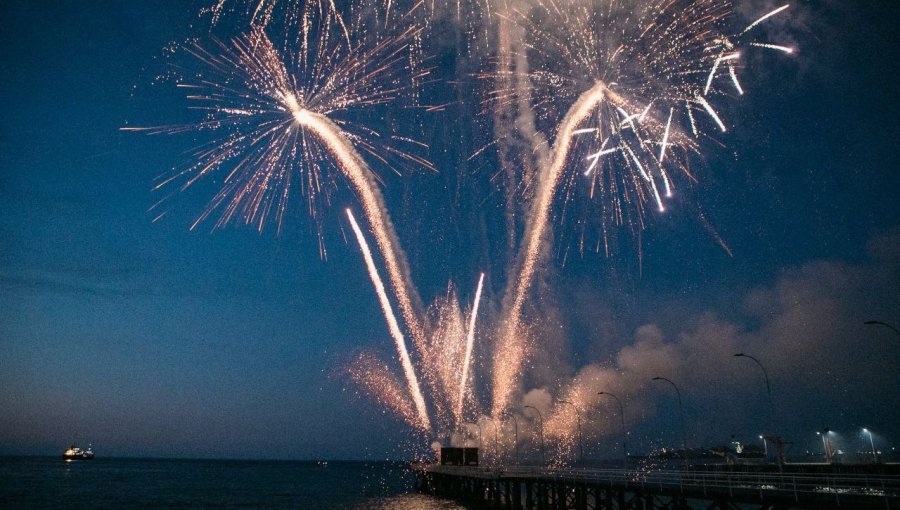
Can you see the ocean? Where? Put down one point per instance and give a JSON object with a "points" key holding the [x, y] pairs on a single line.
{"points": [[51, 482]]}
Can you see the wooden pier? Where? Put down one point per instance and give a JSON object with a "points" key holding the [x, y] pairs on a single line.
{"points": [[534, 488]]}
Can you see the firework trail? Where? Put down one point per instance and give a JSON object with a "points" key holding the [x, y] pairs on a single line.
{"points": [[511, 351], [373, 204], [408, 370], [765, 17], [447, 359], [284, 122], [470, 342]]}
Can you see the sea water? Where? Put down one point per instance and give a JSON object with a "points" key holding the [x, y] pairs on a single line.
{"points": [[51, 482]]}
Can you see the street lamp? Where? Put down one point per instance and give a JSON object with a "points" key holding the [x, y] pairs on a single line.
{"points": [[765, 446], [624, 434], [496, 435], [543, 458], [768, 388], [885, 324], [829, 456], [681, 416], [578, 421], [516, 436], [872, 443]]}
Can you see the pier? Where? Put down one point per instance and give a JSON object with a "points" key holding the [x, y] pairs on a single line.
{"points": [[537, 488]]}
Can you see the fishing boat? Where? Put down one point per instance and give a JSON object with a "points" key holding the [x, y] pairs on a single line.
{"points": [[76, 453]]}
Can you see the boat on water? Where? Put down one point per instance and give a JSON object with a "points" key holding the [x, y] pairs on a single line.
{"points": [[76, 453]]}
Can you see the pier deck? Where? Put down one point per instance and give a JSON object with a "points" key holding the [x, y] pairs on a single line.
{"points": [[536, 488]]}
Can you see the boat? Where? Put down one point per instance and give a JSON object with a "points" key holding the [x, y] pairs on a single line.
{"points": [[76, 453]]}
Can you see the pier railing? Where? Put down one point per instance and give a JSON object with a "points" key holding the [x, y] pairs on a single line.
{"points": [[838, 490]]}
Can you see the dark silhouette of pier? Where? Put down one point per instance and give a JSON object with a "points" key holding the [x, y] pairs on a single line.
{"points": [[539, 488]]}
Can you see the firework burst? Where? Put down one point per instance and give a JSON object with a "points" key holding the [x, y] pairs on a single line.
{"points": [[282, 122], [664, 64], [261, 108]]}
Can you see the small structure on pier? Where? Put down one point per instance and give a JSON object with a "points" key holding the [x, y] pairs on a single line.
{"points": [[451, 456]]}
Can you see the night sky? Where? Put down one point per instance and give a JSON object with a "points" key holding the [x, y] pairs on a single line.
{"points": [[151, 339]]}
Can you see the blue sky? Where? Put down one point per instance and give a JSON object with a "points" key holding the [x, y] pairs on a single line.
{"points": [[148, 338]]}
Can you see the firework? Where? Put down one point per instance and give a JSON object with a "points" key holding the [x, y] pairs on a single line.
{"points": [[412, 381], [447, 357], [470, 342]]}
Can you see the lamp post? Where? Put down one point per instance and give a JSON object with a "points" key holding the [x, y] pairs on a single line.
{"points": [[496, 436], [768, 388], [578, 421], [543, 458], [765, 446], [777, 441], [885, 324], [624, 434], [829, 458], [872, 444], [681, 416], [516, 436]]}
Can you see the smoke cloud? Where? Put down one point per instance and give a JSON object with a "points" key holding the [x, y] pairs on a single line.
{"points": [[807, 329]]}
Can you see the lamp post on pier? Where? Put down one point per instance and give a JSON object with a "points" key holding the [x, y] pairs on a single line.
{"points": [[624, 434], [578, 421], [826, 443], [768, 388], [776, 440], [516, 436], [681, 416], [541, 418], [872, 444]]}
